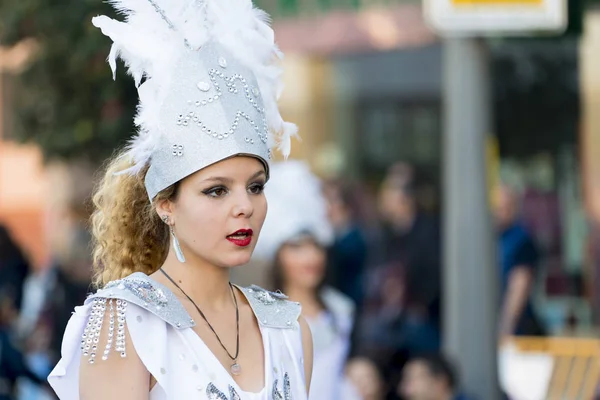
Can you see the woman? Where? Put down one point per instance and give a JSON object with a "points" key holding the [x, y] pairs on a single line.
{"points": [[167, 323], [295, 237]]}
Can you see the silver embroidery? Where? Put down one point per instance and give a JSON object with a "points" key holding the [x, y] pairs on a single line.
{"points": [[150, 295], [287, 390], [266, 297], [260, 127], [120, 345], [111, 330], [203, 86], [86, 339], [215, 394], [91, 334], [177, 150], [142, 289], [90, 339], [233, 394], [272, 309]]}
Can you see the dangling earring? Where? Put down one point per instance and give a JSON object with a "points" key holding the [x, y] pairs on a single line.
{"points": [[176, 246]]}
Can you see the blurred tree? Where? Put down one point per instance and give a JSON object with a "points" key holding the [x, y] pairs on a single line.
{"points": [[65, 100]]}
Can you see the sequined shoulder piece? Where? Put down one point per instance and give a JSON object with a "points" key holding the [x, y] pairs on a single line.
{"points": [[113, 299], [272, 309], [145, 292]]}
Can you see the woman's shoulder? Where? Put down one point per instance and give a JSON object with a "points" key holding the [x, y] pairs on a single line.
{"points": [[272, 309], [337, 302], [144, 292], [125, 329]]}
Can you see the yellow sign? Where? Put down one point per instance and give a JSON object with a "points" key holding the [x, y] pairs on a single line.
{"points": [[495, 17]]}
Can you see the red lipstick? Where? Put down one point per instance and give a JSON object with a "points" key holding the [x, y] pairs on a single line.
{"points": [[242, 237]]}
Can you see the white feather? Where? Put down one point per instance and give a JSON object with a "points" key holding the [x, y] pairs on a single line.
{"points": [[148, 45], [296, 206]]}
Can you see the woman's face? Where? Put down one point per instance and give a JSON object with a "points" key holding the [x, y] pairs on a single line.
{"points": [[365, 378], [219, 211], [302, 263]]}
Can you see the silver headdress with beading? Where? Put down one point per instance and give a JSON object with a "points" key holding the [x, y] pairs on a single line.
{"points": [[208, 80]]}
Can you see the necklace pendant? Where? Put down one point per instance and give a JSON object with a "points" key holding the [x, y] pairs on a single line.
{"points": [[236, 369]]}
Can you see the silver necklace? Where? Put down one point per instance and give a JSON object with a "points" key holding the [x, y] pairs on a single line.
{"points": [[235, 368]]}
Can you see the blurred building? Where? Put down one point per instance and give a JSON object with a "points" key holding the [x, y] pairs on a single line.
{"points": [[364, 82]]}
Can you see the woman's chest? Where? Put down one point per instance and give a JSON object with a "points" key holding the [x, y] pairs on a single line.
{"points": [[191, 370], [237, 352]]}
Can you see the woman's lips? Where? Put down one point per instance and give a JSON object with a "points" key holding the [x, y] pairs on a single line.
{"points": [[241, 238]]}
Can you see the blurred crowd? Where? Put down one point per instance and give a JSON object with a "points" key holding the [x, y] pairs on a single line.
{"points": [[36, 306], [381, 280]]}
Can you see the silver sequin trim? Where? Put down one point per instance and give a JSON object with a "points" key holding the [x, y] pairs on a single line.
{"points": [[111, 330], [90, 339], [120, 345], [261, 127], [215, 394], [142, 289], [233, 394], [287, 390], [272, 309], [177, 150]]}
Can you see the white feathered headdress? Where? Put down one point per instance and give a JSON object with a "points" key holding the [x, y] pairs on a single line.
{"points": [[208, 80], [297, 206]]}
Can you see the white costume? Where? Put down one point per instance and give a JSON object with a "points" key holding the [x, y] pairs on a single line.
{"points": [[162, 335], [208, 82], [331, 340], [297, 208]]}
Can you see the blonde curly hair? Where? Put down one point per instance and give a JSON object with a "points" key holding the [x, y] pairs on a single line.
{"points": [[128, 234]]}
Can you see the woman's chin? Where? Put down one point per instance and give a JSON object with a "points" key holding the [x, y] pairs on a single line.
{"points": [[238, 260]]}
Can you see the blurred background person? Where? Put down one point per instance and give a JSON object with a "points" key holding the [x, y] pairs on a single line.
{"points": [[348, 252], [365, 377], [518, 258], [13, 365], [411, 243], [14, 368], [52, 292], [402, 311], [429, 377], [295, 236], [14, 269]]}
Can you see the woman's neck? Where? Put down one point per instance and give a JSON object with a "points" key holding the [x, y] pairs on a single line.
{"points": [[206, 284]]}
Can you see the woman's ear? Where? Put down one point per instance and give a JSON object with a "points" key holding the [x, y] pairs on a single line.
{"points": [[164, 208]]}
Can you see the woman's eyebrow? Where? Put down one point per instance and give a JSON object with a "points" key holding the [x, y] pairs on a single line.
{"points": [[222, 179], [257, 174], [219, 179]]}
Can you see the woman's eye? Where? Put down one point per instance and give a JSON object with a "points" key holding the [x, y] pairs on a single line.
{"points": [[216, 192], [257, 188]]}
